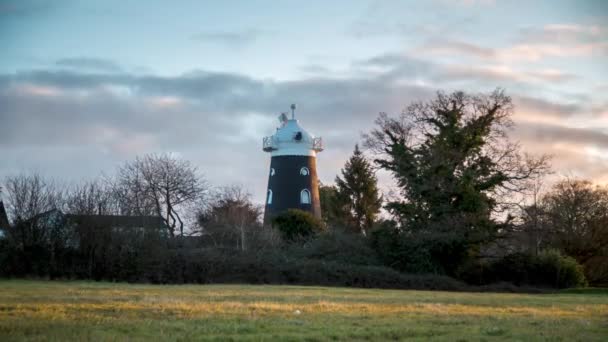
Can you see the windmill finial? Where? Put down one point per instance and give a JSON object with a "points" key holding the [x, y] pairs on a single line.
{"points": [[293, 111]]}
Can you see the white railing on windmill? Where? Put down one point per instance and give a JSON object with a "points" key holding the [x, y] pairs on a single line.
{"points": [[291, 138]]}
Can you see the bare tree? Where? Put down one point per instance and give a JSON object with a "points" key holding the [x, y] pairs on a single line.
{"points": [[94, 197], [230, 217], [578, 218], [31, 203], [30, 195], [533, 219], [160, 184]]}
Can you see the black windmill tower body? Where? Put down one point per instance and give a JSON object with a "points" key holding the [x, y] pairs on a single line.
{"points": [[292, 180]]}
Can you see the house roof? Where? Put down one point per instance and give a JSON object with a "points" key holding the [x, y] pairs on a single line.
{"points": [[3, 217], [103, 221], [117, 220]]}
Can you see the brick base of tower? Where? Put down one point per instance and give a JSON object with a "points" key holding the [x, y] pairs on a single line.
{"points": [[286, 181]]}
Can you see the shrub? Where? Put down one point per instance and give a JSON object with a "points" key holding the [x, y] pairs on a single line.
{"points": [[559, 271], [277, 268], [420, 252], [548, 269], [337, 246], [475, 272], [397, 251], [596, 270], [295, 224]]}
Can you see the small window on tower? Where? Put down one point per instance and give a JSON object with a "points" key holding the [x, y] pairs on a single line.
{"points": [[272, 171], [305, 196], [304, 171], [269, 201]]}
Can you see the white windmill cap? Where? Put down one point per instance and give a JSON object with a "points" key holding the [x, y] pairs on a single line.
{"points": [[291, 139]]}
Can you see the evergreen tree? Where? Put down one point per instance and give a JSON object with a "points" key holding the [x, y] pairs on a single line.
{"points": [[331, 209], [455, 168], [357, 193]]}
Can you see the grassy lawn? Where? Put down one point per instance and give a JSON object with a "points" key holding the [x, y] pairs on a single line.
{"points": [[39, 310]]}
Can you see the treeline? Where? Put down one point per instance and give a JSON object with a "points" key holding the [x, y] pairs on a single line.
{"points": [[467, 209]]}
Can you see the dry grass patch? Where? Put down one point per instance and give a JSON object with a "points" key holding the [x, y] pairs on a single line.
{"points": [[31, 310]]}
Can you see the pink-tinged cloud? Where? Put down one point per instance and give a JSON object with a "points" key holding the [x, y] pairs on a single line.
{"points": [[594, 30], [530, 109], [37, 90], [163, 102], [536, 52], [503, 72], [467, 3], [531, 45], [132, 145]]}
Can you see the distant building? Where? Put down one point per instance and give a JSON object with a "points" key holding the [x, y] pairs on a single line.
{"points": [[4, 224], [292, 179], [141, 224], [76, 229]]}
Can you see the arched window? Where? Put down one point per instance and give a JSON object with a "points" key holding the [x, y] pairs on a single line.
{"points": [[305, 196], [304, 171], [272, 171], [269, 201]]}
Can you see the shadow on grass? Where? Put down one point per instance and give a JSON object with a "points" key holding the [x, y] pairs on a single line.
{"points": [[603, 291]]}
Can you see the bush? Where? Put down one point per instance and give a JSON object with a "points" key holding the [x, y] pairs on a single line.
{"points": [[596, 270], [278, 268], [295, 224], [548, 269], [559, 271], [337, 246], [419, 252]]}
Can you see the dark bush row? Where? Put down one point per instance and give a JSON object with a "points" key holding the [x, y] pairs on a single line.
{"points": [[205, 266], [330, 259], [549, 269]]}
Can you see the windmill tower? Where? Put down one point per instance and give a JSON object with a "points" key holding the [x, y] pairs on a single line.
{"points": [[292, 180]]}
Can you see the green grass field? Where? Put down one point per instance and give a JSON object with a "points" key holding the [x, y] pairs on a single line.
{"points": [[39, 310]]}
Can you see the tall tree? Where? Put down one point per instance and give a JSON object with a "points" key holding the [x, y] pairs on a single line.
{"points": [[30, 194], [231, 217], [357, 192], [577, 214], [160, 184], [573, 218], [93, 197], [38, 232], [332, 208], [455, 167]]}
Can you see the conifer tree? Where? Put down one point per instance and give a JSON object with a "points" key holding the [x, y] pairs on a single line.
{"points": [[357, 193], [456, 170]]}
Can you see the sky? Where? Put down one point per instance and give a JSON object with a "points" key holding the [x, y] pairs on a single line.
{"points": [[88, 85]]}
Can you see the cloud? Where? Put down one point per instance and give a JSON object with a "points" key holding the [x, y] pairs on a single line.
{"points": [[542, 108], [396, 66], [539, 51], [451, 47], [22, 8], [531, 44], [217, 119], [600, 110], [231, 38], [467, 3], [89, 64], [579, 152], [556, 134], [315, 69], [503, 72], [558, 40], [532, 52], [563, 34]]}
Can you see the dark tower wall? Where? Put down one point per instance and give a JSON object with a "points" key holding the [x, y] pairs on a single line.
{"points": [[286, 184]]}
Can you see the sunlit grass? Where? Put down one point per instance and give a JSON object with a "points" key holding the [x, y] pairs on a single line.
{"points": [[38, 310]]}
